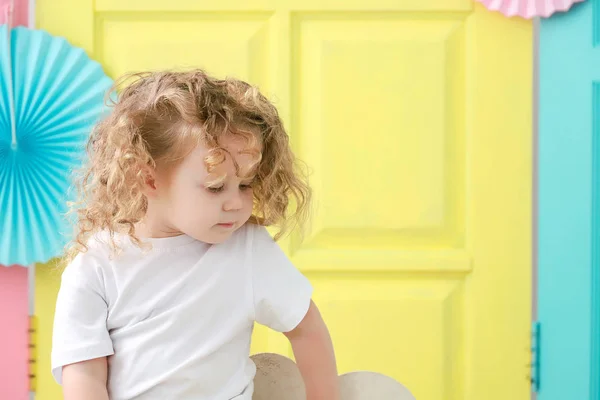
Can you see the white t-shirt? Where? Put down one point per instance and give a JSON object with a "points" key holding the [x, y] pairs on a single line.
{"points": [[176, 322]]}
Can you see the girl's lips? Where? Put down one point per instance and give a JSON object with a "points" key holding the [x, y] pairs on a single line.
{"points": [[226, 224]]}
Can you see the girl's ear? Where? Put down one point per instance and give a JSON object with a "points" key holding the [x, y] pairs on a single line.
{"points": [[149, 176]]}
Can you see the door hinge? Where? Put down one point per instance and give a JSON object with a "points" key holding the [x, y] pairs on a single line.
{"points": [[32, 339], [535, 357]]}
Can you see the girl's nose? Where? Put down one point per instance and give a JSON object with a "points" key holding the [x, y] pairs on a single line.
{"points": [[234, 202]]}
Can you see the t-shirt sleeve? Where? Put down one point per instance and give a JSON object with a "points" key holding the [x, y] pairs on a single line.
{"points": [[281, 293], [80, 331]]}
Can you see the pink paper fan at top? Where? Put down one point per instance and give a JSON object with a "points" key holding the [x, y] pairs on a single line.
{"points": [[528, 8]]}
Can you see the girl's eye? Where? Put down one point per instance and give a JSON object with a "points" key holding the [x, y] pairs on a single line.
{"points": [[245, 187], [215, 189]]}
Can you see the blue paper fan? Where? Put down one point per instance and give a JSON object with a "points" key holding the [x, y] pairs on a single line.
{"points": [[58, 95], [6, 105]]}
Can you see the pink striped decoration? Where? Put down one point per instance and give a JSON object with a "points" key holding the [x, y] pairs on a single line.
{"points": [[20, 14], [529, 8], [14, 290], [14, 323]]}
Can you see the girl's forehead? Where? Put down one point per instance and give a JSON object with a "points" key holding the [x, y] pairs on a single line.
{"points": [[233, 157]]}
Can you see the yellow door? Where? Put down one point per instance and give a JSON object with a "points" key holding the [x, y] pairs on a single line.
{"points": [[414, 116]]}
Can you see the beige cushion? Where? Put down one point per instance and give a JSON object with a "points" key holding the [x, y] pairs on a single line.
{"points": [[278, 378]]}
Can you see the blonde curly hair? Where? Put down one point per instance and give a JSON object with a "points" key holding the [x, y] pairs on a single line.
{"points": [[155, 122]]}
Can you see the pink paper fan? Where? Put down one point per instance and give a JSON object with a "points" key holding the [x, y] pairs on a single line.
{"points": [[528, 8]]}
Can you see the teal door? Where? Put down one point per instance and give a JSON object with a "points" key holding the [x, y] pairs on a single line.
{"points": [[569, 204]]}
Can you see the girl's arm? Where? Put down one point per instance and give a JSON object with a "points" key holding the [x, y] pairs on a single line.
{"points": [[314, 355], [85, 380]]}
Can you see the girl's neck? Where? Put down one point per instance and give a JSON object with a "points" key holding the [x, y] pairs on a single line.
{"points": [[152, 228]]}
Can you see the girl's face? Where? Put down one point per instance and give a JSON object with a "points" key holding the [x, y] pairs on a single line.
{"points": [[182, 201]]}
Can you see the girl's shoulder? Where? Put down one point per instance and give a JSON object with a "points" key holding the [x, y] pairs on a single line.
{"points": [[88, 266]]}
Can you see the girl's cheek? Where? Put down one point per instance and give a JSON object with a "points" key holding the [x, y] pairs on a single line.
{"points": [[249, 197]]}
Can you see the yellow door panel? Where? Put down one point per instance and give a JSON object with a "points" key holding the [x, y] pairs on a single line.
{"points": [[409, 328], [240, 40], [415, 119]]}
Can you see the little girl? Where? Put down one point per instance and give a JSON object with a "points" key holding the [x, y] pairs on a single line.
{"points": [[171, 264]]}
